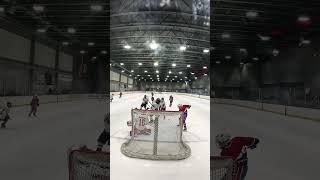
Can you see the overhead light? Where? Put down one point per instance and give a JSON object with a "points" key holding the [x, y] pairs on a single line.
{"points": [[82, 52], [251, 14], [225, 35], [305, 41], [145, 71], [183, 48], [91, 43], [121, 64], [255, 59], [174, 65], [275, 52], [65, 43], [303, 19], [195, 78], [132, 71], [192, 73], [205, 67], [218, 62], [127, 46], [149, 75], [38, 8], [104, 52], [139, 75], [180, 72], [157, 75], [94, 57], [241, 63], [156, 64], [122, 71], [2, 9], [205, 74], [243, 50], [96, 7], [41, 30], [168, 76], [228, 57], [175, 76], [157, 71], [153, 45], [188, 65], [170, 72], [186, 77], [71, 30], [140, 64], [206, 50], [264, 38]]}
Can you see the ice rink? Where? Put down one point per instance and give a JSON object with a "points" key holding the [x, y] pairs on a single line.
{"points": [[36, 148], [289, 147], [197, 137]]}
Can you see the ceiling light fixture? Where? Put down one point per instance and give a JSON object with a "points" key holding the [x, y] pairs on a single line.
{"points": [[127, 46], [183, 48], [206, 51]]}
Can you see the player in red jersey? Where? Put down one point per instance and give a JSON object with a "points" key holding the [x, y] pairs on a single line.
{"points": [[236, 148], [184, 109]]}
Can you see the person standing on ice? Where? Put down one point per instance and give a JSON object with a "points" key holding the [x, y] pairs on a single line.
{"points": [[105, 134], [145, 102], [120, 94], [236, 148], [184, 109], [34, 105], [4, 112], [162, 105], [111, 97], [171, 100]]}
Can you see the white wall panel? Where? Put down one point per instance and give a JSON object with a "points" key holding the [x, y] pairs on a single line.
{"points": [[44, 55], [65, 62], [14, 47], [114, 76], [124, 78], [130, 81]]}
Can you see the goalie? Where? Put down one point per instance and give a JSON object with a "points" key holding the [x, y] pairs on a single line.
{"points": [[236, 148]]}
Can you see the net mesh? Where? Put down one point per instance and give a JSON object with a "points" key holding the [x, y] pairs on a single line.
{"points": [[221, 168], [156, 135], [89, 165]]}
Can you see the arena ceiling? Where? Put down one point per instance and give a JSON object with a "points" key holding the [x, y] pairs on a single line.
{"points": [[253, 31], [81, 25], [160, 40]]}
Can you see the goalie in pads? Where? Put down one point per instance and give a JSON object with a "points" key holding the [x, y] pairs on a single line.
{"points": [[236, 148]]}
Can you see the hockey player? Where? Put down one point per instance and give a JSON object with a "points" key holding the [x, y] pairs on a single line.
{"points": [[34, 105], [4, 112], [111, 97], [156, 104], [152, 94], [105, 135], [120, 95], [236, 148], [171, 100], [152, 99], [162, 105], [184, 109], [144, 103]]}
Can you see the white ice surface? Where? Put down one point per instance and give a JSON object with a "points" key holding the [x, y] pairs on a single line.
{"points": [[36, 148], [289, 147], [197, 137]]}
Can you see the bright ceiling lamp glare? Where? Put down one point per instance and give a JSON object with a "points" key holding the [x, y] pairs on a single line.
{"points": [[188, 65], [104, 52], [140, 64], [168, 76], [127, 46], [132, 71], [71, 30], [38, 8], [225, 36], [153, 45], [275, 52], [91, 43], [121, 64], [139, 75], [241, 63], [186, 77], [243, 50], [96, 7], [145, 71], [2, 9], [195, 78], [183, 48], [264, 38], [205, 74], [252, 14], [41, 30], [65, 43], [204, 67], [227, 57], [192, 73], [180, 72], [170, 72], [206, 51], [174, 65], [218, 62], [82, 52], [157, 75], [156, 64], [303, 19], [149, 75], [157, 71], [122, 71], [305, 41], [175, 76], [255, 59]]}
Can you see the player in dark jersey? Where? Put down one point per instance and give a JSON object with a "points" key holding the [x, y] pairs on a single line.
{"points": [[236, 148]]}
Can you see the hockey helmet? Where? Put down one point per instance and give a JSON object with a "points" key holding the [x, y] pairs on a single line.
{"points": [[158, 100], [222, 140], [9, 104]]}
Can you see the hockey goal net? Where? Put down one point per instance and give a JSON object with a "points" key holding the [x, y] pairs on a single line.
{"points": [[89, 165], [156, 135], [221, 168]]}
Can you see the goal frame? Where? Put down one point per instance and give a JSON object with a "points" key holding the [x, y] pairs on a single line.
{"points": [[81, 152], [155, 156], [221, 162]]}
